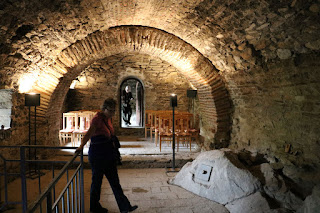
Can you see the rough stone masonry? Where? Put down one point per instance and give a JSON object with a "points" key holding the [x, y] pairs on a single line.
{"points": [[255, 65]]}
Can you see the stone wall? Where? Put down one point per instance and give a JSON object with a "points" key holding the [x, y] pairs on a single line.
{"points": [[260, 49], [103, 79], [277, 113]]}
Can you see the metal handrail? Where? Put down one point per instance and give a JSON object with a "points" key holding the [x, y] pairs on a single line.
{"points": [[66, 187], [44, 194], [47, 193]]}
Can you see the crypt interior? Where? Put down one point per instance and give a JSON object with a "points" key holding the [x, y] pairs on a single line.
{"points": [[253, 64]]}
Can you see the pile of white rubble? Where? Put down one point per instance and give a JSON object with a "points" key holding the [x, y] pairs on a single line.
{"points": [[220, 176]]}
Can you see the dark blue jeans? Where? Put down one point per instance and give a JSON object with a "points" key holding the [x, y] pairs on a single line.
{"points": [[108, 168]]}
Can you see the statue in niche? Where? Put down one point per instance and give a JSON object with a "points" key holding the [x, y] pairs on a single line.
{"points": [[126, 104], [132, 103]]}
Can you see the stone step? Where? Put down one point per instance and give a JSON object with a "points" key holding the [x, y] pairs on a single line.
{"points": [[131, 161]]}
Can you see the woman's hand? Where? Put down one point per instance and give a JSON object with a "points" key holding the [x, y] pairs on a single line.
{"points": [[79, 149], [86, 138]]}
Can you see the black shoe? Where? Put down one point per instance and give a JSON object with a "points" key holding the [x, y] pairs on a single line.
{"points": [[131, 209], [101, 210]]}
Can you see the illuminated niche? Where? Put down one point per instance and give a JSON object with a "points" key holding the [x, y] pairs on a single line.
{"points": [[132, 103]]}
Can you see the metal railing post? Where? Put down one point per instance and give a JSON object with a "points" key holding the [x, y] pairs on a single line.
{"points": [[5, 182], [82, 182], [173, 140], [75, 194], [68, 192], [72, 197], [49, 202], [23, 179], [73, 191]]}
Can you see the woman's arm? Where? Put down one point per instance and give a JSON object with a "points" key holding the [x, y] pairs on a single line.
{"points": [[86, 137]]}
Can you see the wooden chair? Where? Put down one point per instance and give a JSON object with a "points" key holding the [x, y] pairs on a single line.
{"points": [[165, 133], [182, 126], [165, 136], [184, 138], [68, 126], [149, 123], [83, 119], [156, 126], [159, 116], [162, 125]]}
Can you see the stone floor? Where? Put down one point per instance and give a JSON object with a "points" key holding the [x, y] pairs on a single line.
{"points": [[144, 153], [143, 178], [148, 188]]}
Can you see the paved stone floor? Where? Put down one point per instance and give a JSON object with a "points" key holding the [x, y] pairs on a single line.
{"points": [[144, 181], [148, 188]]}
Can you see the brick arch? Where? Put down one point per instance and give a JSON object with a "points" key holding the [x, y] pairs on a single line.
{"points": [[214, 100]]}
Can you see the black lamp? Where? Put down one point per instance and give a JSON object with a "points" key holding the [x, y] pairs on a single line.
{"points": [[173, 104], [32, 99], [173, 100]]}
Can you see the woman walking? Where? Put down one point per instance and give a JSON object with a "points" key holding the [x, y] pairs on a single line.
{"points": [[103, 156]]}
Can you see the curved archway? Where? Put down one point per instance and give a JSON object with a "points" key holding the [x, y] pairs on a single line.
{"points": [[214, 101]]}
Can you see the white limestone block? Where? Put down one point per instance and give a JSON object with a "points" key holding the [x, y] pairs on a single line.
{"points": [[251, 204], [229, 180]]}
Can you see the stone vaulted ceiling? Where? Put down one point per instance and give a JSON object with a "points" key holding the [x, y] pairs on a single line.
{"points": [[198, 70], [37, 31], [41, 40]]}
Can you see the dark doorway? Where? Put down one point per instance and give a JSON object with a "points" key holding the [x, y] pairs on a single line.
{"points": [[132, 103]]}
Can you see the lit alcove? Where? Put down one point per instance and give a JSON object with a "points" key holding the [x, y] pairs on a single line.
{"points": [[5, 108], [132, 103]]}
